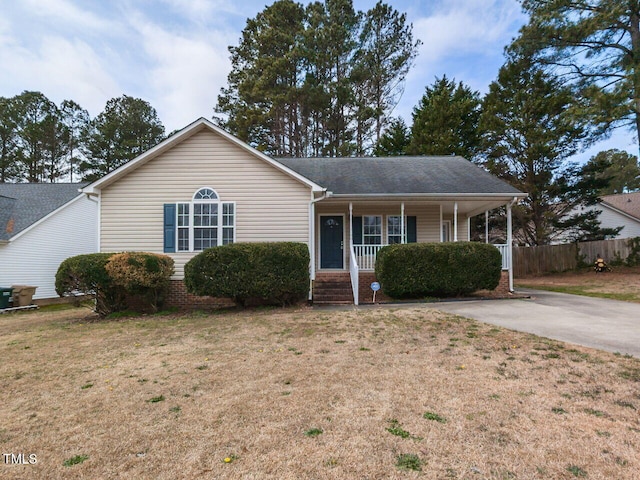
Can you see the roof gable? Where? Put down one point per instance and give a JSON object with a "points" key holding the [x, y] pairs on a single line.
{"points": [[24, 204], [181, 136], [627, 203], [428, 175]]}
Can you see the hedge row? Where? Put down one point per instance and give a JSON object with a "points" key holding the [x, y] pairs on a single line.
{"points": [[417, 270], [115, 277], [268, 273]]}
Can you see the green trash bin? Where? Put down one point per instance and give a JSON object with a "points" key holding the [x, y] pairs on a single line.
{"points": [[5, 297]]}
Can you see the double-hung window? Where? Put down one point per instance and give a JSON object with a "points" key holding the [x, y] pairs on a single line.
{"points": [[394, 229], [372, 229], [202, 223]]}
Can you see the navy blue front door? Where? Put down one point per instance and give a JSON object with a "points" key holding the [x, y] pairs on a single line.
{"points": [[331, 241]]}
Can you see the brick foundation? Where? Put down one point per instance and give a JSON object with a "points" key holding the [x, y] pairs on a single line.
{"points": [[503, 286], [365, 293], [180, 298]]}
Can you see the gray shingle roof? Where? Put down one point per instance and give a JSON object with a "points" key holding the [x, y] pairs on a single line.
{"points": [[23, 204], [399, 175]]}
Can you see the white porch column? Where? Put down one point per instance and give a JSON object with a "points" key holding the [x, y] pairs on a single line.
{"points": [[455, 221], [403, 237], [510, 246], [350, 232], [441, 223], [486, 226], [312, 245]]}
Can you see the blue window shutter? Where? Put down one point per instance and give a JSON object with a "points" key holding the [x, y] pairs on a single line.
{"points": [[356, 230], [412, 229], [169, 227]]}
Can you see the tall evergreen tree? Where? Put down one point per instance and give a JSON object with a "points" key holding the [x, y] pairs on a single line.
{"points": [[36, 116], [620, 168], [10, 164], [76, 120], [341, 33], [595, 46], [394, 141], [126, 128], [55, 144], [316, 81], [445, 121], [528, 134], [261, 100], [385, 55]]}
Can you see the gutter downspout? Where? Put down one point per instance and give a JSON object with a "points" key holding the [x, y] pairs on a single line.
{"points": [[97, 198], [510, 241], [312, 238]]}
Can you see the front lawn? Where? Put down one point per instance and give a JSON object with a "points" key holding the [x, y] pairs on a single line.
{"points": [[622, 283], [374, 393]]}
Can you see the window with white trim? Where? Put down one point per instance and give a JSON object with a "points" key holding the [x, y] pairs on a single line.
{"points": [[372, 230], [204, 222], [394, 229]]}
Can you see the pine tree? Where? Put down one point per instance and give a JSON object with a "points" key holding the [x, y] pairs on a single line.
{"points": [[394, 141], [528, 135], [445, 122], [126, 128], [595, 46]]}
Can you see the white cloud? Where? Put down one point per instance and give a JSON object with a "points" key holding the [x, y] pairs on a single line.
{"points": [[59, 68], [462, 39], [201, 11], [63, 12], [186, 72], [467, 26]]}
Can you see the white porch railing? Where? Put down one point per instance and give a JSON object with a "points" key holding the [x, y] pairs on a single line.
{"points": [[504, 251], [354, 271], [366, 255]]}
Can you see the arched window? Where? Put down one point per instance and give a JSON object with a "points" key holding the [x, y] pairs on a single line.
{"points": [[202, 223], [206, 193]]}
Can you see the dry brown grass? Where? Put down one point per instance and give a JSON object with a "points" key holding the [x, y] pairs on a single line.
{"points": [[249, 385], [622, 283]]}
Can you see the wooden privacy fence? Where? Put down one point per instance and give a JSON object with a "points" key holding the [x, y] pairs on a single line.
{"points": [[559, 258]]}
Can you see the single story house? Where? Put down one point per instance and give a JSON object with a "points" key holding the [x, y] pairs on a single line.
{"points": [[42, 224], [203, 187]]}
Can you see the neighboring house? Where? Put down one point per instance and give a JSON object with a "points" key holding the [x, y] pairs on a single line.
{"points": [[203, 187], [42, 224], [622, 210]]}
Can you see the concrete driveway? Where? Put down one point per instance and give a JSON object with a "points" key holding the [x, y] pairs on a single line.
{"points": [[609, 325]]}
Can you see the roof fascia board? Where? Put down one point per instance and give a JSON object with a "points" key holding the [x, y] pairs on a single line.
{"points": [[430, 196], [185, 133], [43, 219]]}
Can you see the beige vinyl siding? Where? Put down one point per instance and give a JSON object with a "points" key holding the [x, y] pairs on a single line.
{"points": [[270, 205], [427, 219], [463, 227]]}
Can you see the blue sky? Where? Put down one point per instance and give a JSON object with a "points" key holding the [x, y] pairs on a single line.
{"points": [[173, 53]]}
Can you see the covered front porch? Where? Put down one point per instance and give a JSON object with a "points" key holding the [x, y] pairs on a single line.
{"points": [[349, 234]]}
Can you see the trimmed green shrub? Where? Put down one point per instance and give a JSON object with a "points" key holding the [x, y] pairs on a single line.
{"points": [[417, 270], [86, 274], [140, 273], [272, 273]]}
